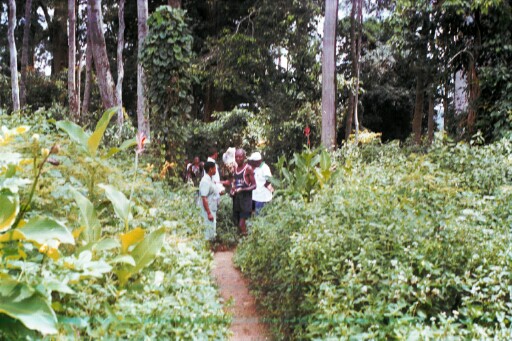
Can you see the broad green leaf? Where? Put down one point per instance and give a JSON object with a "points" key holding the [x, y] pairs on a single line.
{"points": [[7, 284], [88, 217], [119, 200], [34, 312], [325, 160], [43, 230], [126, 259], [130, 238], [94, 140], [106, 244], [143, 254], [75, 132], [9, 208], [146, 251], [125, 145], [54, 285]]}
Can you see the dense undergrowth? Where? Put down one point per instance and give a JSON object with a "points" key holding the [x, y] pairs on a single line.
{"points": [[399, 245], [103, 250]]}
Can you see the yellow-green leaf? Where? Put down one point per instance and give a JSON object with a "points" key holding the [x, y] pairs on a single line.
{"points": [[130, 238], [9, 208], [94, 140]]}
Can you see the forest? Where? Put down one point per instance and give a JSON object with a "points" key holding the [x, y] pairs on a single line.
{"points": [[387, 125]]}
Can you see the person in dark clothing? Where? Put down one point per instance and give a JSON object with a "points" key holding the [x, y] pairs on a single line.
{"points": [[195, 171], [241, 191]]}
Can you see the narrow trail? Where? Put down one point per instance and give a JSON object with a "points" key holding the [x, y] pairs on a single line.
{"points": [[246, 323]]}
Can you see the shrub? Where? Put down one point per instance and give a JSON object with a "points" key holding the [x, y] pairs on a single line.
{"points": [[401, 246], [76, 271]]}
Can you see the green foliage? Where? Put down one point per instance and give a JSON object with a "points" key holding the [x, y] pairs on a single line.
{"points": [[25, 304], [166, 57], [306, 173], [230, 129], [239, 63], [401, 246], [284, 123], [75, 274], [89, 219], [143, 254]]}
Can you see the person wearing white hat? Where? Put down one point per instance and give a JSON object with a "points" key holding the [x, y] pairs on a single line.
{"points": [[263, 192]]}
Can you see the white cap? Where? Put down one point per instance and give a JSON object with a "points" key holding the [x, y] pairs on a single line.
{"points": [[256, 156]]}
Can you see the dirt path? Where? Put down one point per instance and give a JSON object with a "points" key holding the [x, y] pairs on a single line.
{"points": [[246, 323]]}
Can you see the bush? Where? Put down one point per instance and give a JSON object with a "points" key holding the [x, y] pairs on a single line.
{"points": [[98, 264], [401, 246]]}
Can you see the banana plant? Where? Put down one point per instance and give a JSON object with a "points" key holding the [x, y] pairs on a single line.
{"points": [[307, 172], [89, 143]]}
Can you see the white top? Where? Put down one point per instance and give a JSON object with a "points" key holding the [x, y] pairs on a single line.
{"points": [[216, 178], [208, 189], [261, 175]]}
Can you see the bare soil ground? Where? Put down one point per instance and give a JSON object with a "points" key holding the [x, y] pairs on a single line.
{"points": [[246, 323]]}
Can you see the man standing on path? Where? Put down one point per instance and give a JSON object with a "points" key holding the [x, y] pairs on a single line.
{"points": [[263, 192], [209, 197], [243, 185]]}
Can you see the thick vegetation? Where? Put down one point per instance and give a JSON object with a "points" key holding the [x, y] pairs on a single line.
{"points": [[92, 246], [400, 245]]}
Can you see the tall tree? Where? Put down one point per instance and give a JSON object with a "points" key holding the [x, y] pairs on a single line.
{"points": [[358, 64], [354, 61], [72, 88], [120, 67], [88, 72], [99, 53], [13, 56], [329, 74], [25, 50], [430, 122], [57, 32], [142, 31]]}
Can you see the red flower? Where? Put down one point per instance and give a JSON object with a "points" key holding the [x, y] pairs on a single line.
{"points": [[141, 140]]}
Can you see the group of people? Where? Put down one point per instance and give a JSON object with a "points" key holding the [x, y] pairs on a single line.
{"points": [[249, 187]]}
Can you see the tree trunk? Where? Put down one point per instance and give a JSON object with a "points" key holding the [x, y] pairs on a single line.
{"points": [[13, 56], [99, 53], [353, 55], [58, 38], [418, 108], [72, 95], [430, 125], [474, 93], [25, 52], [79, 82], [445, 107], [208, 103], [329, 75], [174, 3], [358, 66], [120, 67], [88, 73], [142, 18]]}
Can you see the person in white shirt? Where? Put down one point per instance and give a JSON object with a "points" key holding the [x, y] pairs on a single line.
{"points": [[209, 202], [263, 192], [213, 154]]}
